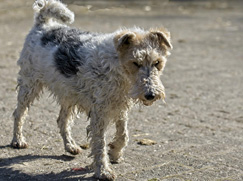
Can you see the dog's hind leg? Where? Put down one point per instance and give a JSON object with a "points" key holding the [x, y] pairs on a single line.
{"points": [[64, 123], [26, 95]]}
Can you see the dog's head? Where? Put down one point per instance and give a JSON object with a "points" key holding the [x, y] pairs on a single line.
{"points": [[142, 55]]}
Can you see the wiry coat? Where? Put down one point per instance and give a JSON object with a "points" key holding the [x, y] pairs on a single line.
{"points": [[85, 72]]}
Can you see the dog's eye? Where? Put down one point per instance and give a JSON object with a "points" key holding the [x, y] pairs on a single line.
{"points": [[156, 63], [136, 64]]}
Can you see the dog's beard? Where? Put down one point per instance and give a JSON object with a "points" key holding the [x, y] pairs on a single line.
{"points": [[139, 96]]}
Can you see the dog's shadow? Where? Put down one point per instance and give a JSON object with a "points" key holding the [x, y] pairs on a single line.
{"points": [[8, 173]]}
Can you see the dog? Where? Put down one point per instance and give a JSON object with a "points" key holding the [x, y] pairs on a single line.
{"points": [[101, 75]]}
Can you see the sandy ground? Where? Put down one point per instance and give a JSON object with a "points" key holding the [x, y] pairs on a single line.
{"points": [[198, 133]]}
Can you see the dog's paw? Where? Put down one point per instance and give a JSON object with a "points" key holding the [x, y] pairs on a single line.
{"points": [[116, 160], [106, 176], [73, 149], [114, 155], [20, 144]]}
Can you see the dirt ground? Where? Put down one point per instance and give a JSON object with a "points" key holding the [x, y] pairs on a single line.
{"points": [[198, 133]]}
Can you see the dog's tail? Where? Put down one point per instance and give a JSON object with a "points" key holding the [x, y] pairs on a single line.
{"points": [[51, 9]]}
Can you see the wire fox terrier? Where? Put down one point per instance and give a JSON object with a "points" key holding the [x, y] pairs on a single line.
{"points": [[102, 75]]}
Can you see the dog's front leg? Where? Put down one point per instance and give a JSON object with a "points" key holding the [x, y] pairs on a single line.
{"points": [[120, 140], [98, 127]]}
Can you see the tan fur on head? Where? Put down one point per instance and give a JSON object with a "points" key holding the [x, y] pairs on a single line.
{"points": [[142, 55], [125, 43], [162, 37], [123, 40]]}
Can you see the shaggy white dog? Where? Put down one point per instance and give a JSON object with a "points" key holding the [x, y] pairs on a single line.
{"points": [[102, 75]]}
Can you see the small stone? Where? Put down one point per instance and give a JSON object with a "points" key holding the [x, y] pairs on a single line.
{"points": [[147, 142], [181, 41], [147, 8], [85, 146], [79, 169]]}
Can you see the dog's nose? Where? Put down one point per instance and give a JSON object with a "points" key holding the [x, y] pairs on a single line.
{"points": [[150, 96]]}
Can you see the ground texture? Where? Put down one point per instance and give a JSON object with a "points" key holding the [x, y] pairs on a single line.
{"points": [[198, 133]]}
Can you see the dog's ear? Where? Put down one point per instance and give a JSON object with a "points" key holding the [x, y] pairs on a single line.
{"points": [[162, 36], [124, 40]]}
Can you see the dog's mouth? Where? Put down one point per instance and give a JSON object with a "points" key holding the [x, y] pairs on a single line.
{"points": [[147, 103]]}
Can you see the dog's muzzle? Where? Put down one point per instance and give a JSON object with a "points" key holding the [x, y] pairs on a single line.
{"points": [[150, 97]]}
